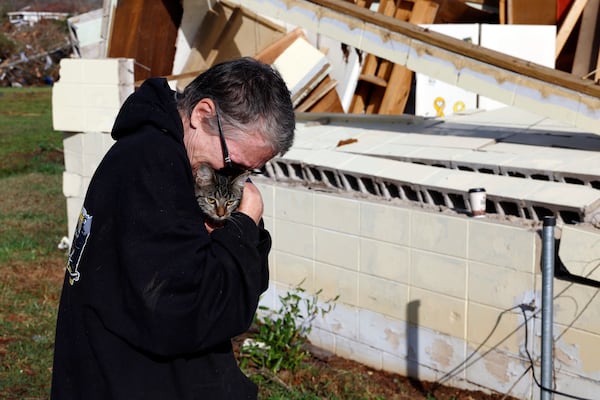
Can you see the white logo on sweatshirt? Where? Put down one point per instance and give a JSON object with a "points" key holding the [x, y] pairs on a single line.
{"points": [[81, 236]]}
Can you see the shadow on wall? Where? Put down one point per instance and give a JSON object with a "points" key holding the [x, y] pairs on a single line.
{"points": [[412, 344]]}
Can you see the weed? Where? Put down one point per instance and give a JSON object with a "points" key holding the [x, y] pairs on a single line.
{"points": [[279, 343]]}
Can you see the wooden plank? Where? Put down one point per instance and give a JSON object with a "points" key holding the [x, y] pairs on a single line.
{"points": [[271, 52], [329, 103], [317, 95], [531, 12], [242, 38], [384, 69], [568, 24], [146, 30], [400, 81], [227, 34], [502, 12], [363, 99], [588, 40]]}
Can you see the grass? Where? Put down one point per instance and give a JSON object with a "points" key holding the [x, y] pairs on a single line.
{"points": [[32, 221], [28, 143]]}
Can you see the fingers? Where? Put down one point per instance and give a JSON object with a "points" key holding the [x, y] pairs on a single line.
{"points": [[252, 202]]}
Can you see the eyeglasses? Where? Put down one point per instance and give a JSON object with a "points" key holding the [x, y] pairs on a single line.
{"points": [[230, 169]]}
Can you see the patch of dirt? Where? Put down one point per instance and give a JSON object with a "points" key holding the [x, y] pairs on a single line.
{"points": [[336, 377]]}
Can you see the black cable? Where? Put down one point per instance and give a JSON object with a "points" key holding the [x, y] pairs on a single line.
{"points": [[533, 369]]}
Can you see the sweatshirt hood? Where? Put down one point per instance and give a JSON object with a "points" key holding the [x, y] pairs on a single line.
{"points": [[152, 104]]}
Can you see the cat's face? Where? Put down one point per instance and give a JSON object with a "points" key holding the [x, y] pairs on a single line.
{"points": [[218, 195]]}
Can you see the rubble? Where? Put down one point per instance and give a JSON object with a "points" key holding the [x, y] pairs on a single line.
{"points": [[36, 52]]}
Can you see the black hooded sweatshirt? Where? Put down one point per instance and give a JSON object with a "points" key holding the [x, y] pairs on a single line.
{"points": [[150, 300]]}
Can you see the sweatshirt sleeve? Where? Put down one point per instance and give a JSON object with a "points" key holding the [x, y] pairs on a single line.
{"points": [[176, 288]]}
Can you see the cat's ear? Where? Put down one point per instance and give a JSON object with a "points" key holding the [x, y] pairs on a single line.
{"points": [[241, 179], [204, 175]]}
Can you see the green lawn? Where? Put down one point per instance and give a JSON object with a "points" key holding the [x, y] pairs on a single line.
{"points": [[32, 222]]}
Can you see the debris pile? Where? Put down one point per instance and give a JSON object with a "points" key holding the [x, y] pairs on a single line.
{"points": [[30, 55]]}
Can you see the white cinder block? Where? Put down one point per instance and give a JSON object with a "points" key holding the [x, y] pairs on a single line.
{"points": [[90, 92], [294, 270], [294, 238], [497, 286], [438, 312], [499, 371], [73, 162], [342, 320], [385, 223], [503, 245], [337, 213], [439, 273], [439, 233], [268, 221], [337, 281], [323, 339], [575, 386], [72, 185], [569, 302], [108, 141], [579, 251], [74, 205], [267, 190], [93, 142], [68, 95], [336, 249], [394, 364], [102, 96], [294, 205], [486, 329], [353, 350], [68, 118], [111, 71], [571, 356], [384, 333], [384, 260], [383, 296], [100, 119], [73, 142], [71, 71], [90, 163]]}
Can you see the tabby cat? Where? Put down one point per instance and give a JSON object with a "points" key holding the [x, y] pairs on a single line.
{"points": [[218, 195]]}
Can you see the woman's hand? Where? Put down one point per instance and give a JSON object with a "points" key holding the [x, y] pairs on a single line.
{"points": [[252, 202]]}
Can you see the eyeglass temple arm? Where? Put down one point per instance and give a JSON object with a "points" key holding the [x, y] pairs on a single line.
{"points": [[223, 143]]}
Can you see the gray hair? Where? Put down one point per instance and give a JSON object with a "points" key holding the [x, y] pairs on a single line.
{"points": [[249, 95]]}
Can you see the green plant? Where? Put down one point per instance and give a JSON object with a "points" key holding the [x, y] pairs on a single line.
{"points": [[282, 334]]}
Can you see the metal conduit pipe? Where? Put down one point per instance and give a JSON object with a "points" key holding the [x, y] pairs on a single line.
{"points": [[547, 306]]}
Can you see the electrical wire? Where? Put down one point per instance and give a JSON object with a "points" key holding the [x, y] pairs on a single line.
{"points": [[533, 369]]}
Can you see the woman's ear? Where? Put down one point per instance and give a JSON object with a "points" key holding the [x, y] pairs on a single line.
{"points": [[205, 107]]}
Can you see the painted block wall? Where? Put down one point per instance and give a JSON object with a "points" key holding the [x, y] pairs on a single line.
{"points": [[431, 295]]}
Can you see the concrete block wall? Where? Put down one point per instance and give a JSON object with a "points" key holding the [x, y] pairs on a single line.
{"points": [[432, 295], [85, 103], [429, 294]]}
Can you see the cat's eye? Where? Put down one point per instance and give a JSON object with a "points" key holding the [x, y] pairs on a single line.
{"points": [[210, 200], [230, 203]]}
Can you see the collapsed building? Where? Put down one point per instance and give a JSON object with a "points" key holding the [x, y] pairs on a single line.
{"points": [[372, 203]]}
